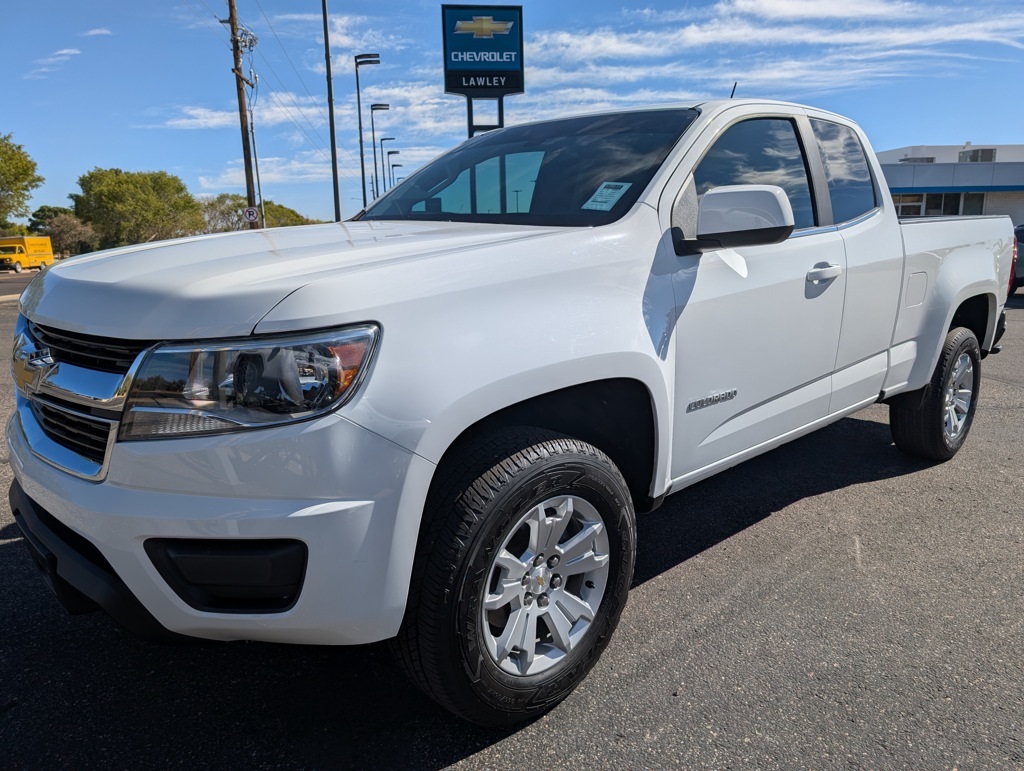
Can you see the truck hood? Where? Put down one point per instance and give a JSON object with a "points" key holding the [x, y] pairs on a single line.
{"points": [[221, 285]]}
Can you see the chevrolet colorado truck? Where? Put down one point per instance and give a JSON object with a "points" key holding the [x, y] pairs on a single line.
{"points": [[435, 423]]}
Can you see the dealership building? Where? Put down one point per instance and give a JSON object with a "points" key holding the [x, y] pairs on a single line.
{"points": [[940, 180]]}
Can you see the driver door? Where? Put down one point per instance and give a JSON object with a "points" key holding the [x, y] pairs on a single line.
{"points": [[756, 337]]}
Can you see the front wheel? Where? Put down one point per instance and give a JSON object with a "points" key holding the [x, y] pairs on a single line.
{"points": [[940, 426], [17, 267], [522, 572]]}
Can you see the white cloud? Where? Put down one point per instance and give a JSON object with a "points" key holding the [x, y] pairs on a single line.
{"points": [[40, 73], [97, 31], [310, 166], [855, 10], [50, 63], [273, 109], [349, 34], [203, 118]]}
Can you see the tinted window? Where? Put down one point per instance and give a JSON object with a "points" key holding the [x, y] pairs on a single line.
{"points": [[576, 171], [850, 186], [764, 151]]}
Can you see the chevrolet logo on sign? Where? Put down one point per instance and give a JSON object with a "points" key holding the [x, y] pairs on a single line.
{"points": [[483, 26]]}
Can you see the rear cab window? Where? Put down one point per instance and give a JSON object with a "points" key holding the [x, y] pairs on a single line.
{"points": [[851, 187]]}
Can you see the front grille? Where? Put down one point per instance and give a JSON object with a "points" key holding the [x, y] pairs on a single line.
{"points": [[101, 353], [78, 433]]}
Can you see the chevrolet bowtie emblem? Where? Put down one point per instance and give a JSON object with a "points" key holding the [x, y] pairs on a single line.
{"points": [[30, 364], [483, 26]]}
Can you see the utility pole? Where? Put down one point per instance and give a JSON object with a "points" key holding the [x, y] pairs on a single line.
{"points": [[243, 114]]}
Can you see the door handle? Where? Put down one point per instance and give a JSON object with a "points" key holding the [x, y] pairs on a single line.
{"points": [[823, 272]]}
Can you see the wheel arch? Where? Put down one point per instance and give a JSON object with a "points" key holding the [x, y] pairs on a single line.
{"points": [[616, 415], [978, 314]]}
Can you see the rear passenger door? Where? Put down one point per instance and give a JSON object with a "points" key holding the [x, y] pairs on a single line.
{"points": [[873, 248], [757, 334]]}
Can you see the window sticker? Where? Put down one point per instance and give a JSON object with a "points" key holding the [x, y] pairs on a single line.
{"points": [[607, 196]]}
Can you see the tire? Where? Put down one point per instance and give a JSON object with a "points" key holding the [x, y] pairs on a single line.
{"points": [[940, 426], [17, 267], [524, 530]]}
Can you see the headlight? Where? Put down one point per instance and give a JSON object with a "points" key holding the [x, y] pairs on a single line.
{"points": [[185, 390]]}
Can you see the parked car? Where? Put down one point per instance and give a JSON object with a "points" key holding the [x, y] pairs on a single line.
{"points": [[434, 423], [1018, 282]]}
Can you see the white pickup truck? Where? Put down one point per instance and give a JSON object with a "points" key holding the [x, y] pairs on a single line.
{"points": [[435, 423]]}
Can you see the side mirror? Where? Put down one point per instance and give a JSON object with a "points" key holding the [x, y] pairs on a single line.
{"points": [[739, 215]]}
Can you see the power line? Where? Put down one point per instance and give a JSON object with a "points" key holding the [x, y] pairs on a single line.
{"points": [[215, 29], [316, 139], [295, 69], [281, 81], [212, 13], [286, 56]]}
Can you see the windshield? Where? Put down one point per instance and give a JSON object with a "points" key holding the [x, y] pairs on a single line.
{"points": [[7, 250], [575, 171]]}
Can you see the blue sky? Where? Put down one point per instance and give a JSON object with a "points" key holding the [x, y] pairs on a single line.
{"points": [[146, 86]]}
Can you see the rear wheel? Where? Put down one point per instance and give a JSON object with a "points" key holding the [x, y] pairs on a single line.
{"points": [[939, 428], [522, 573]]}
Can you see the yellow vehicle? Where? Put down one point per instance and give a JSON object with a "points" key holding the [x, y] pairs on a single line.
{"points": [[20, 252]]}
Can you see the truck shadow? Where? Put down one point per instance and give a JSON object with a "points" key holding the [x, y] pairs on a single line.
{"points": [[849, 452], [77, 692]]}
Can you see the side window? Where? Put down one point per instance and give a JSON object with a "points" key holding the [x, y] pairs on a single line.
{"points": [[850, 186], [762, 151]]}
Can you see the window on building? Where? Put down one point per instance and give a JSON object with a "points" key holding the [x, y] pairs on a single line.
{"points": [[974, 204], [987, 155], [909, 204], [920, 159], [850, 186], [939, 204]]}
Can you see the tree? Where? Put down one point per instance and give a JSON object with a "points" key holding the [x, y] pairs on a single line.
{"points": [[279, 216], [133, 207], [41, 217], [69, 235], [224, 212], [12, 229], [18, 179]]}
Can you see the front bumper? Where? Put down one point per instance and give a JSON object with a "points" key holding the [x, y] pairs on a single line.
{"points": [[79, 576], [352, 498]]}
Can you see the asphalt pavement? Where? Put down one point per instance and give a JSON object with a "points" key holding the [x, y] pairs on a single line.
{"points": [[832, 603]]}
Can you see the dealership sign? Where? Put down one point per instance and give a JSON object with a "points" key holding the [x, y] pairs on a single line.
{"points": [[483, 50]]}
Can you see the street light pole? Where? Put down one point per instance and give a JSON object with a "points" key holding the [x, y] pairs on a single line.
{"points": [[373, 139], [330, 117], [393, 167], [383, 167], [360, 60]]}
